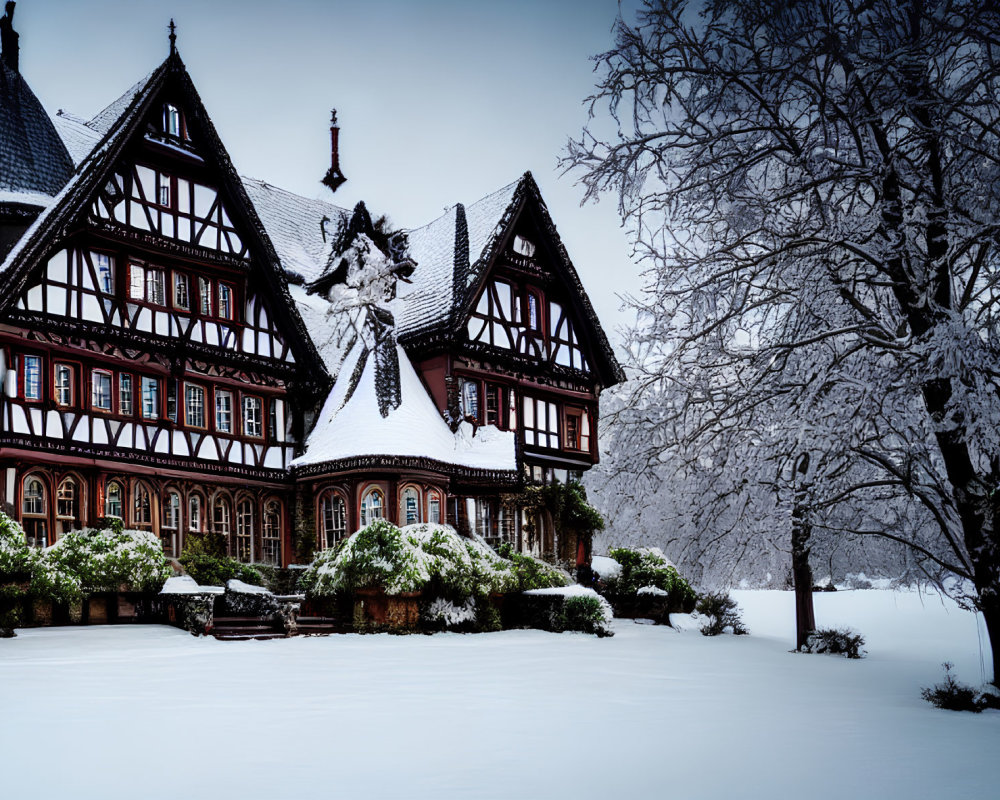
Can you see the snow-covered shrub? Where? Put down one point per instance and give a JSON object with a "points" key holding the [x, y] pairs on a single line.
{"points": [[27, 572], [377, 556], [422, 557], [565, 608], [952, 695], [109, 559], [588, 613], [837, 641], [442, 614], [531, 573], [723, 615], [647, 567]]}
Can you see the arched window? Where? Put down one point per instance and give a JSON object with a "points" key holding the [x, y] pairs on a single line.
{"points": [[67, 506], [34, 512], [244, 530], [142, 507], [271, 537], [372, 506], [170, 528], [222, 514], [113, 500], [434, 506], [194, 513], [332, 520], [409, 506]]}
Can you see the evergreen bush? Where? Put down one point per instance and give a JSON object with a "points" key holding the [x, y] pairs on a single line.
{"points": [[837, 641], [954, 696], [648, 567], [587, 613], [723, 615]]}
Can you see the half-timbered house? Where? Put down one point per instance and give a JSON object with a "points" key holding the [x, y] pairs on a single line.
{"points": [[192, 351]]}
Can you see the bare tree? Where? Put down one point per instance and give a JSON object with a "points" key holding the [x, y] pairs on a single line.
{"points": [[814, 185]]}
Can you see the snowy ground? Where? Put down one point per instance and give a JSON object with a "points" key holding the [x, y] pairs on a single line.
{"points": [[152, 712]]}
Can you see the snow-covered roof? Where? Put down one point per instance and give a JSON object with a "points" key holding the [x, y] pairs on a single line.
{"points": [[450, 253], [301, 229], [108, 116], [351, 424], [79, 138]]}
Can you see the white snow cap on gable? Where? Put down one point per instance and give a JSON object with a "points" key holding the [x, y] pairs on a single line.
{"points": [[351, 426]]}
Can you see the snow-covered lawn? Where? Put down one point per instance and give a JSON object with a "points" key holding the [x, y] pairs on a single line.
{"points": [[152, 712]]}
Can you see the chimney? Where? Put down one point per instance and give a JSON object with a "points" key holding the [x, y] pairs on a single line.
{"points": [[8, 36], [334, 178]]}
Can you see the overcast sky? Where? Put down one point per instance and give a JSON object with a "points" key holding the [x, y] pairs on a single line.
{"points": [[439, 102]]}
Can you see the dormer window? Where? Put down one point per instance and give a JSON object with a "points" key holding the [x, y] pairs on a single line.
{"points": [[172, 121], [523, 247]]}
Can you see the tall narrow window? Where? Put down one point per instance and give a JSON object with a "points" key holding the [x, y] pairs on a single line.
{"points": [[410, 511], [125, 394], [172, 399], [100, 390], [67, 506], [194, 513], [205, 296], [533, 315], [433, 506], [225, 301], [333, 519], [105, 273], [170, 529], [470, 399], [136, 282], [182, 296], [171, 120], [271, 533], [64, 385], [150, 397], [142, 507], [244, 531], [113, 500], [222, 517], [223, 411], [194, 406], [32, 377], [154, 287], [163, 190], [34, 512], [251, 416], [372, 506], [172, 511]]}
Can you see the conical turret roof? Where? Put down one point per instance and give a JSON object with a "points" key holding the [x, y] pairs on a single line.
{"points": [[33, 159]]}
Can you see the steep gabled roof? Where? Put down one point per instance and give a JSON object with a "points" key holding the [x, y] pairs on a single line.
{"points": [[33, 158], [72, 202], [456, 252]]}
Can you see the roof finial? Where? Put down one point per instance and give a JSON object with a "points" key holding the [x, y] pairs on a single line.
{"points": [[8, 36], [173, 37]]}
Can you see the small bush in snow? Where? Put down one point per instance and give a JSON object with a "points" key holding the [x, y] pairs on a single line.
{"points": [[644, 567], [444, 615], [837, 641], [723, 615], [954, 696], [588, 613]]}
